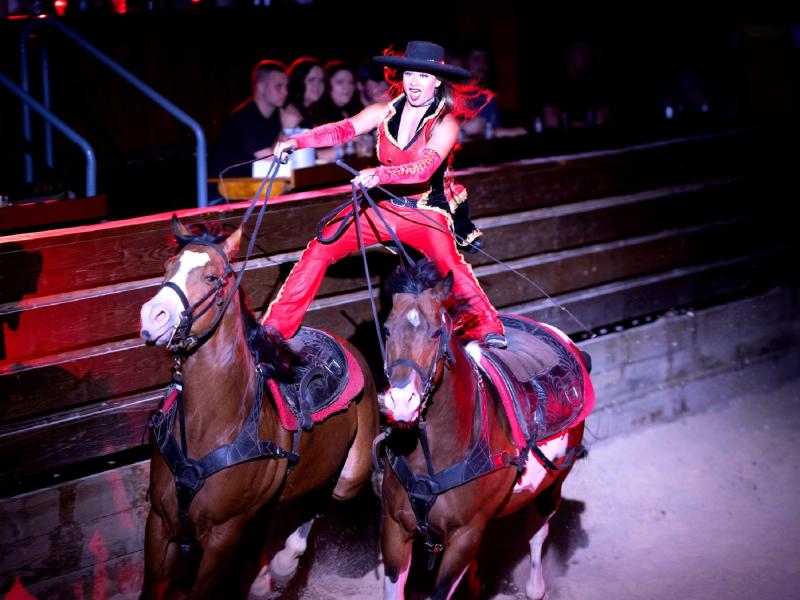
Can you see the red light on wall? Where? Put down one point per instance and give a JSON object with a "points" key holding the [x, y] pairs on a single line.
{"points": [[120, 6], [61, 7], [18, 592]]}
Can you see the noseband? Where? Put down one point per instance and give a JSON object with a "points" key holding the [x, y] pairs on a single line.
{"points": [[181, 339], [442, 352]]}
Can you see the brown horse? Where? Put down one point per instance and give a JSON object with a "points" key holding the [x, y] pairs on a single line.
{"points": [[472, 471], [199, 554]]}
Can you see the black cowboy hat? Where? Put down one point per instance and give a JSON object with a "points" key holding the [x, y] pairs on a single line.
{"points": [[426, 57]]}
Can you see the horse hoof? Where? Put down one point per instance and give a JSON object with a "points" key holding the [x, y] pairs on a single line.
{"points": [[261, 588], [536, 595], [283, 574]]}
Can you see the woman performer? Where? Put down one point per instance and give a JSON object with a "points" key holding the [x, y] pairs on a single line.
{"points": [[417, 131]]}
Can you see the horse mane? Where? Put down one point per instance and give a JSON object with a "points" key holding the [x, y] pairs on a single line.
{"points": [[276, 355], [420, 277], [415, 279], [202, 233]]}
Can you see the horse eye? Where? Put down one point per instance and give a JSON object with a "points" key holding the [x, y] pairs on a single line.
{"points": [[211, 278], [385, 331], [437, 333]]}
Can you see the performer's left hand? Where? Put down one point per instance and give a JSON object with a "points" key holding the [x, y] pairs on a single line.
{"points": [[367, 177]]}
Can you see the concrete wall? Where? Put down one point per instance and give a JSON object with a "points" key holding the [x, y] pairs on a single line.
{"points": [[677, 364], [687, 362]]}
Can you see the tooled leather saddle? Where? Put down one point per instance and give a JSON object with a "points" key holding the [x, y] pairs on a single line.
{"points": [[539, 379], [326, 382]]}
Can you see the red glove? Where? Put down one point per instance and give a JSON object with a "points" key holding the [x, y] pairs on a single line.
{"points": [[326, 135], [416, 172]]}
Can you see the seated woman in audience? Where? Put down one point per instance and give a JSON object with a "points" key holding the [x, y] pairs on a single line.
{"points": [[306, 87], [340, 101]]}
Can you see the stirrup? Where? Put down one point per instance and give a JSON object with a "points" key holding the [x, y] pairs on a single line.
{"points": [[495, 340]]}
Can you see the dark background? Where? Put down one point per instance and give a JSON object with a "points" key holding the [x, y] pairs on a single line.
{"points": [[744, 60]]}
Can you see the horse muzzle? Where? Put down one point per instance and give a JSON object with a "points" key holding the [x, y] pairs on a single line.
{"points": [[157, 322], [402, 405]]}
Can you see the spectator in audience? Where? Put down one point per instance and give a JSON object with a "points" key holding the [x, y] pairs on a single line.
{"points": [[487, 122], [577, 95], [371, 84], [340, 102], [254, 126], [306, 86]]}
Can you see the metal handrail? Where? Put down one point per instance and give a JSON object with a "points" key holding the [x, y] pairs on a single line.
{"points": [[49, 117], [202, 191]]}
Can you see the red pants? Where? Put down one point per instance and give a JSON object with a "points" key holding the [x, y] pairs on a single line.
{"points": [[428, 233]]}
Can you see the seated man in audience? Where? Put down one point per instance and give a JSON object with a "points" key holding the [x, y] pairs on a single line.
{"points": [[371, 84], [253, 127], [577, 94]]}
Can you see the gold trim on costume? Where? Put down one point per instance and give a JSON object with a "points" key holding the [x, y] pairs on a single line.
{"points": [[266, 314], [454, 201], [433, 115], [393, 112], [387, 118], [476, 233]]}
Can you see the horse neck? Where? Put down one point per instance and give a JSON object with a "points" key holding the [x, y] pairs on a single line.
{"points": [[219, 380], [451, 414]]}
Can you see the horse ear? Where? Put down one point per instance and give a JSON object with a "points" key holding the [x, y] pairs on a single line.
{"points": [[444, 287], [179, 230], [231, 243]]}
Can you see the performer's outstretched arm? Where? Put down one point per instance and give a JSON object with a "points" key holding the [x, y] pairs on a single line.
{"points": [[339, 132]]}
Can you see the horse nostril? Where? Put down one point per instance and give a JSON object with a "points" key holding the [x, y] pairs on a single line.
{"points": [[146, 335], [161, 317], [401, 383]]}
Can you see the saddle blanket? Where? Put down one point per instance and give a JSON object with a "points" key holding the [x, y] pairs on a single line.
{"points": [[541, 379], [326, 384]]}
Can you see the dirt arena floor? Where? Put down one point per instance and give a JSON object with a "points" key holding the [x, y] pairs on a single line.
{"points": [[705, 507]]}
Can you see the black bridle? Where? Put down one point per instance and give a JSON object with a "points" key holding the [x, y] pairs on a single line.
{"points": [[444, 355], [182, 340]]}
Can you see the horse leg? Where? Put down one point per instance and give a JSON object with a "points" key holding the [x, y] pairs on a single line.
{"points": [[160, 557], [261, 588], [535, 588], [546, 504], [219, 546], [284, 564], [462, 548], [358, 465], [396, 549]]}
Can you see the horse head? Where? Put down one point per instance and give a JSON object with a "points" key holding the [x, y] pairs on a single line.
{"points": [[417, 332], [195, 289]]}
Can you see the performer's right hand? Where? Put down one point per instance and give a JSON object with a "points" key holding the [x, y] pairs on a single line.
{"points": [[284, 148]]}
